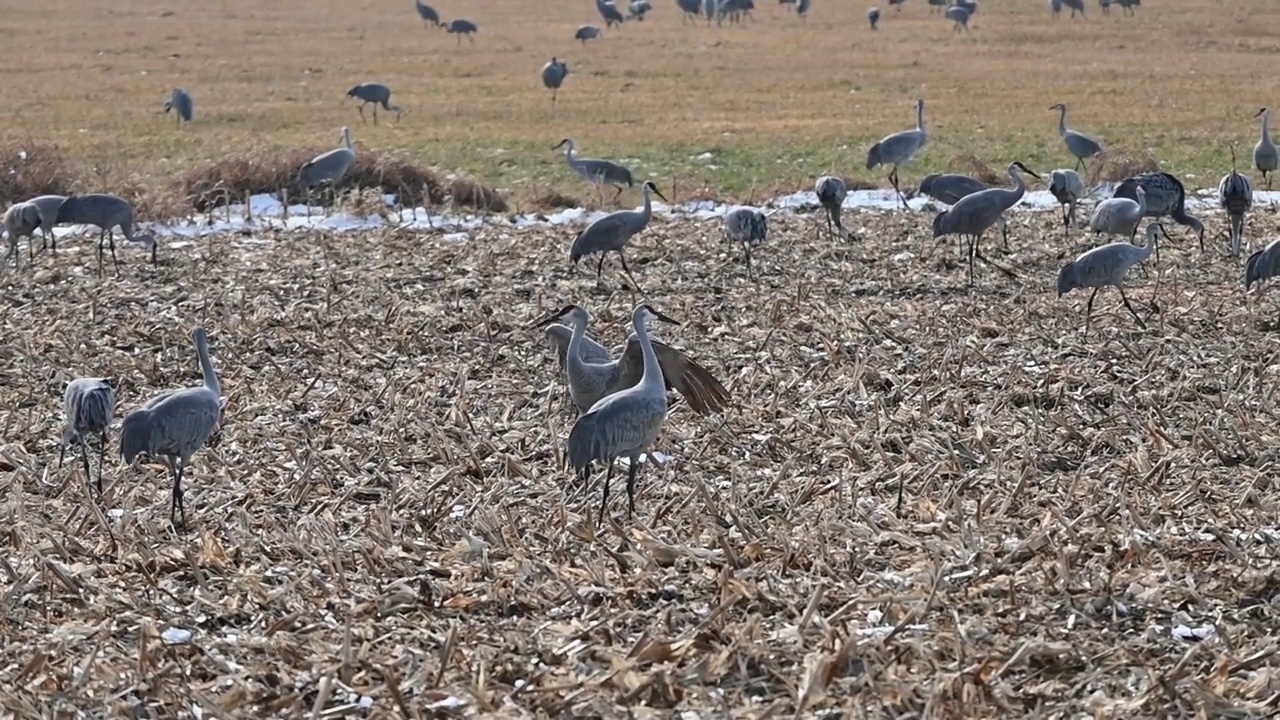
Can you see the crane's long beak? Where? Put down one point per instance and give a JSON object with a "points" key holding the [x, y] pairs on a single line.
{"points": [[548, 319], [659, 194], [659, 316]]}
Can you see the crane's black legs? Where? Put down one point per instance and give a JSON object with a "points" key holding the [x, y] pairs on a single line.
{"points": [[176, 503], [360, 109], [604, 500], [102, 452], [1079, 163], [617, 194], [84, 456], [632, 469], [1130, 307], [111, 242], [600, 266], [1088, 310], [627, 270], [1004, 232], [893, 178], [746, 252]]}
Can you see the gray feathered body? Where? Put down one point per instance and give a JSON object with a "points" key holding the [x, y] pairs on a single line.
{"points": [[938, 5], [376, 94], [1129, 5], [1067, 187], [1266, 157], [624, 424], [181, 103], [585, 33], [609, 233], [1055, 7], [960, 16], [1081, 146], [21, 220], [1077, 6], [88, 406], [1102, 266], [107, 212], [873, 16], [328, 168], [1235, 195], [554, 73], [1262, 265], [975, 214], [746, 225], [802, 7], [1165, 195], [689, 9], [427, 13], [950, 188], [831, 192], [594, 170], [461, 28], [897, 148], [175, 426], [636, 9], [1118, 216], [609, 12], [969, 5]]}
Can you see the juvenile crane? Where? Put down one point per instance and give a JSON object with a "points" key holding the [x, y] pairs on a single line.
{"points": [[626, 423], [974, 214], [1235, 195], [597, 172], [610, 13], [460, 28], [1165, 196], [1119, 215], [592, 373], [586, 32], [1262, 265], [375, 94], [831, 192], [949, 188], [1080, 145], [898, 148], [88, 407], [959, 15], [1067, 187], [181, 105], [107, 212], [21, 220], [553, 75], [611, 233], [1105, 267], [328, 168], [1265, 155], [427, 13], [173, 426], [748, 226], [873, 17]]}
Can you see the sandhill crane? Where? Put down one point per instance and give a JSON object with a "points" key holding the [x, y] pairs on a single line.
{"points": [[1127, 6], [636, 9], [427, 13], [611, 233], [21, 220], [1055, 7], [898, 148], [597, 172], [735, 10], [1235, 195], [831, 192], [328, 168], [1080, 145], [107, 212], [689, 10], [48, 205], [553, 75], [711, 8], [971, 6], [791, 3], [1262, 265], [1265, 156], [1105, 266], [180, 103], [592, 373], [1118, 215], [586, 32], [460, 28], [375, 94], [1067, 187], [1077, 6], [88, 406], [176, 424], [802, 9], [612, 16], [1165, 196], [873, 16], [960, 16], [626, 423], [949, 188], [974, 214], [748, 226]]}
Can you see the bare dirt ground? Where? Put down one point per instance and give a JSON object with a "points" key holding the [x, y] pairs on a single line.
{"points": [[384, 518]]}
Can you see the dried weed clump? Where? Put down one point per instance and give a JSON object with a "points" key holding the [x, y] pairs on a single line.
{"points": [[1118, 165], [30, 167]]}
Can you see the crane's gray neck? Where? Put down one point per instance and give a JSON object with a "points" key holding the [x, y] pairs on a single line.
{"points": [[568, 151], [1019, 187], [575, 341], [652, 371], [206, 365], [1142, 202], [920, 117], [1266, 126], [1062, 120], [346, 139]]}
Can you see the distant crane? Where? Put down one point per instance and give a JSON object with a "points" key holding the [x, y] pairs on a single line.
{"points": [[898, 148], [586, 32], [802, 9], [949, 188], [1262, 265], [1077, 6], [1105, 267], [427, 13], [612, 16], [597, 172], [460, 28], [107, 212], [88, 407], [592, 373], [180, 102], [1265, 156], [611, 233], [1119, 215], [328, 168], [960, 16], [746, 225], [1235, 195], [873, 16], [1080, 145], [375, 94], [711, 8], [626, 423], [831, 192], [974, 214], [176, 424], [689, 9], [1165, 196], [1127, 6], [553, 75], [1067, 187], [636, 9]]}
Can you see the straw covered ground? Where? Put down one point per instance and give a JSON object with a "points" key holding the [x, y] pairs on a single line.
{"points": [[383, 522]]}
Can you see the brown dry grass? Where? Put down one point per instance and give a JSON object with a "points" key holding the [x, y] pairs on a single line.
{"points": [[385, 513], [776, 102]]}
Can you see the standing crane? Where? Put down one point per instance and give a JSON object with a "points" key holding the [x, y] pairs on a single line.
{"points": [[959, 15], [626, 423], [1080, 145], [831, 192], [1265, 156], [48, 206], [88, 407], [610, 13], [328, 168], [1127, 6], [597, 172], [1262, 265], [176, 424], [748, 226], [553, 75], [611, 233], [1119, 215], [974, 214], [1055, 7], [1105, 266], [949, 188], [586, 32], [1067, 188], [873, 16], [460, 28], [1165, 196], [21, 220], [592, 373], [898, 148], [107, 212], [1077, 6], [427, 13], [375, 94], [1235, 195], [689, 10], [1106, 6], [181, 104]]}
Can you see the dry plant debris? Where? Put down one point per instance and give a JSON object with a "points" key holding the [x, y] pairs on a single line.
{"points": [[1088, 524]]}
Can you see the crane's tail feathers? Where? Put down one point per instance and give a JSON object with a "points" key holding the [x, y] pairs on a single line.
{"points": [[1251, 269], [582, 447]]}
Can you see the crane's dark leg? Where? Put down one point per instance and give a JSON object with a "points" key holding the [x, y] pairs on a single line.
{"points": [[363, 120], [1130, 307], [617, 194], [1079, 161], [101, 240], [375, 114], [600, 266], [84, 456], [627, 270], [604, 500], [1088, 310], [973, 249], [102, 452], [893, 178], [472, 38], [177, 503], [633, 468], [62, 454], [746, 252], [111, 242], [1004, 232]]}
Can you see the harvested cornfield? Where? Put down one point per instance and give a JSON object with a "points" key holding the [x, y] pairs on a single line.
{"points": [[929, 501]]}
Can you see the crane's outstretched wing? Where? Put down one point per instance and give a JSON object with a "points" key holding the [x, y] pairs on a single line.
{"points": [[695, 383], [593, 352]]}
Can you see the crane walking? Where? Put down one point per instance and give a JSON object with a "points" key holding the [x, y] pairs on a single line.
{"points": [[1235, 195], [1265, 155], [831, 192], [597, 172], [107, 212], [898, 148], [974, 214], [181, 104], [174, 425], [88, 407], [1105, 266], [372, 93], [611, 233], [1080, 145], [1119, 215], [748, 226]]}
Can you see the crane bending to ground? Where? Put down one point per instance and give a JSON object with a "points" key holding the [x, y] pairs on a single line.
{"points": [[611, 233], [1265, 156], [460, 28], [88, 407], [107, 212], [181, 104], [597, 172], [1080, 145], [1165, 196], [174, 425], [974, 214], [748, 226], [586, 32], [592, 373], [1262, 265], [1235, 196], [1105, 266], [372, 93], [328, 168], [1067, 188], [427, 13], [898, 148], [831, 192], [1119, 215], [21, 220], [626, 423], [950, 188]]}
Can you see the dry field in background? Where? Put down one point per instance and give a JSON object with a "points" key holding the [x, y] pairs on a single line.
{"points": [[776, 102], [385, 514]]}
